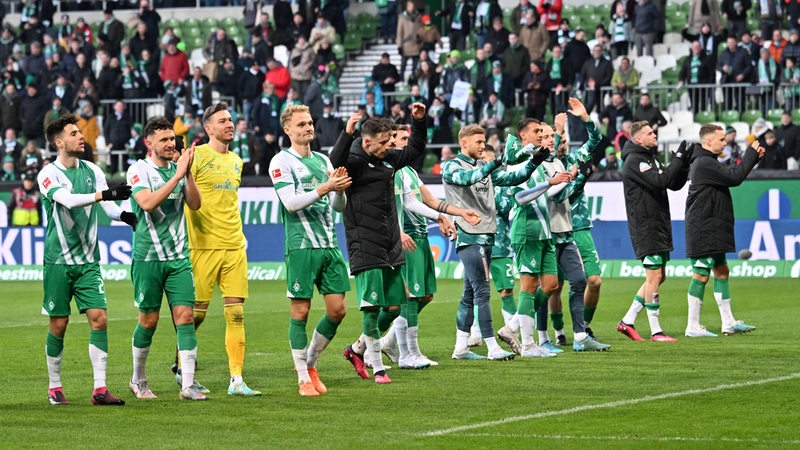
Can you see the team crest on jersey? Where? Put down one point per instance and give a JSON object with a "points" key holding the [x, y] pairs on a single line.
{"points": [[387, 164], [644, 167], [89, 183]]}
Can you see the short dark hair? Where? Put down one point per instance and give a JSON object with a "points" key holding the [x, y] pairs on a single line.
{"points": [[637, 126], [709, 128], [523, 124], [156, 124], [56, 128], [213, 109], [375, 126], [488, 148]]}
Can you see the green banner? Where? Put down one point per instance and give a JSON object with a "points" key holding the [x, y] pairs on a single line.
{"points": [[767, 199]]}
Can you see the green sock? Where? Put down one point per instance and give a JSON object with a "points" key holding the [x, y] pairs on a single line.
{"points": [[526, 302], [588, 313], [698, 289], [369, 323], [386, 317], [508, 304], [421, 306], [411, 313], [558, 320], [55, 345], [327, 327], [99, 338], [142, 337], [298, 339], [187, 338], [540, 299], [721, 285], [638, 299]]}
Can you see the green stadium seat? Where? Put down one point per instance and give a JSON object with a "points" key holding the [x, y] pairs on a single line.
{"points": [[456, 129], [209, 22], [191, 32], [229, 22], [603, 10], [352, 42], [592, 21], [172, 22], [429, 161], [774, 115], [364, 18], [368, 30], [670, 76], [585, 9], [194, 43], [338, 51], [751, 116], [796, 116], [729, 116], [191, 23], [705, 117]]}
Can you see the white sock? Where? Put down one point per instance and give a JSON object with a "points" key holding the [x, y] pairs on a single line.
{"points": [[725, 312], [400, 326], [513, 323], [475, 330], [99, 360], [413, 343], [693, 319], [139, 363], [652, 317], [526, 325], [389, 340], [506, 316], [359, 346], [580, 336], [543, 337], [461, 342], [188, 358], [235, 380], [559, 332], [373, 353], [317, 345], [300, 365], [54, 370], [491, 345], [633, 311]]}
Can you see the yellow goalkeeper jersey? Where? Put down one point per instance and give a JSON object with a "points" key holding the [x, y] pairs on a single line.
{"points": [[217, 224]]}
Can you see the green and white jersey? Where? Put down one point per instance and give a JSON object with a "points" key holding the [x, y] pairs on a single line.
{"points": [[293, 175], [412, 224], [504, 203], [579, 205], [531, 220], [71, 235], [161, 233]]}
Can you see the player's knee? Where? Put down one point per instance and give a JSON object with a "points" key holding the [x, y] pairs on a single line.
{"points": [[549, 286], [150, 321], [234, 313], [337, 312], [98, 321], [594, 282], [428, 298], [199, 312]]}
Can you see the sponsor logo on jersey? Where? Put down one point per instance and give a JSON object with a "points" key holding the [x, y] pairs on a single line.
{"points": [[644, 167], [227, 186], [46, 183], [276, 173], [134, 179]]}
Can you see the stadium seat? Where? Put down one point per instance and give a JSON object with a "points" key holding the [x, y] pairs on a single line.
{"points": [[191, 23], [209, 22], [352, 42], [774, 115], [751, 116], [368, 30], [670, 76], [672, 38], [190, 32], [229, 22], [644, 62], [660, 49], [281, 53], [666, 61], [730, 116], [429, 161], [704, 117], [742, 129], [172, 22], [668, 132], [338, 51], [196, 42], [649, 74], [680, 49], [691, 131], [682, 118], [796, 116]]}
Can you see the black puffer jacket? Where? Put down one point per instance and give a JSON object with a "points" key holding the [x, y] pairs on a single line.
{"points": [[709, 208], [645, 181], [370, 219]]}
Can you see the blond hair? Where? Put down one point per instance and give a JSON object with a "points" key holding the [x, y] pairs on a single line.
{"points": [[287, 113], [470, 130]]}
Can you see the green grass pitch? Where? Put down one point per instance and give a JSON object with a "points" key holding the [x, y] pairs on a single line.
{"points": [[728, 392]]}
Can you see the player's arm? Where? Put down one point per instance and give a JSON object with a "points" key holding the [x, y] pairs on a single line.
{"points": [[502, 178], [442, 206], [51, 188], [341, 150], [717, 174], [149, 200], [337, 196], [453, 173], [578, 110], [193, 197], [417, 138], [110, 196]]}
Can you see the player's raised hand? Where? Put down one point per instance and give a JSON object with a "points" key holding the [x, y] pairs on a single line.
{"points": [[560, 177], [185, 161], [574, 172], [577, 109], [471, 217], [561, 122], [350, 128], [418, 111], [338, 180], [758, 148]]}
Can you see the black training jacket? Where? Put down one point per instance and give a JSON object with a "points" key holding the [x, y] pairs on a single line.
{"points": [[709, 208], [645, 181], [370, 218]]}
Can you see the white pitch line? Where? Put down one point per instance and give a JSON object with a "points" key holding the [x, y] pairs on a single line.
{"points": [[614, 404], [633, 438]]}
